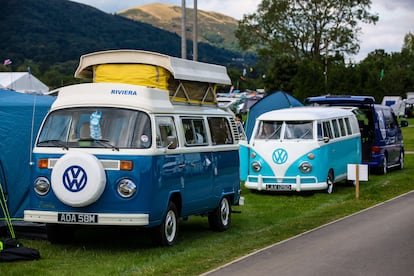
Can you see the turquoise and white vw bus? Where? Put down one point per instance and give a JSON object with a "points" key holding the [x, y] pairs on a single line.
{"points": [[143, 145], [300, 149]]}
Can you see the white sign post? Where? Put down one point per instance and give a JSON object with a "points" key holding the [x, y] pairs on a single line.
{"points": [[357, 172]]}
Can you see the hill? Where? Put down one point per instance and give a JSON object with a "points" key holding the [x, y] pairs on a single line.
{"points": [[213, 28], [52, 31]]}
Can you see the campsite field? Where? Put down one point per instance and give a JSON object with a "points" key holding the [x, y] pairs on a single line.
{"points": [[264, 219]]}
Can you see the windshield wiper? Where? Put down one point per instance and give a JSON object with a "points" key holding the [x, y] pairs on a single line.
{"points": [[57, 143], [103, 142]]}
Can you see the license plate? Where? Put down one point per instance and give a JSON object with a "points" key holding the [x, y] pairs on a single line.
{"points": [[278, 187], [77, 218]]}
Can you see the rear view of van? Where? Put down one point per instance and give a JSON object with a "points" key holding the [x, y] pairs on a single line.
{"points": [[381, 137]]}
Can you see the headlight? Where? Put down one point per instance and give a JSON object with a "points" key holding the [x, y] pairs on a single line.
{"points": [[42, 185], [256, 166], [126, 188], [305, 167]]}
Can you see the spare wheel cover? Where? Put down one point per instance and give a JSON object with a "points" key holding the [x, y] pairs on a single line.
{"points": [[78, 179]]}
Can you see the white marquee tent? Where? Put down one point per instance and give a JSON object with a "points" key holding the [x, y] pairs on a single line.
{"points": [[22, 82]]}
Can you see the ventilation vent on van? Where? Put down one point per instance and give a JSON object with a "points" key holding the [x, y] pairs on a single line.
{"points": [[235, 131]]}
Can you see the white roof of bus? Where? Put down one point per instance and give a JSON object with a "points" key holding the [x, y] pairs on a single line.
{"points": [[304, 113], [125, 96], [181, 69]]}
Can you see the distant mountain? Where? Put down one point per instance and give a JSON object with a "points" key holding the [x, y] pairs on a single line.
{"points": [[51, 31], [213, 28]]}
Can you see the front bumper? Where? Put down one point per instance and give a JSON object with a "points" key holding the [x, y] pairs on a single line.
{"points": [[84, 218], [287, 183]]}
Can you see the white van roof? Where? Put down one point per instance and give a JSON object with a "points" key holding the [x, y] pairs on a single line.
{"points": [[181, 69], [128, 96], [304, 113]]}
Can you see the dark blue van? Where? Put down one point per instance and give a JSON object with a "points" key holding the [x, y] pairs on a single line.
{"points": [[381, 137]]}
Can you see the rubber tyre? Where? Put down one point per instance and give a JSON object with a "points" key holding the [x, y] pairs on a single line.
{"points": [[78, 179], [401, 161], [383, 169], [166, 233], [330, 182], [220, 219]]}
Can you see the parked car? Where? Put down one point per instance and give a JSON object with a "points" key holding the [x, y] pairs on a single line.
{"points": [[381, 137], [300, 149]]}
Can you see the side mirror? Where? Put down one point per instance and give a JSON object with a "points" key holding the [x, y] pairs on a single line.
{"points": [[326, 139], [172, 142]]}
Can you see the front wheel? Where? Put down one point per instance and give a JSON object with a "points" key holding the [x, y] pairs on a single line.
{"points": [[166, 233], [220, 219]]}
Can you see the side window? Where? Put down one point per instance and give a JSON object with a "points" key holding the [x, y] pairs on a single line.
{"points": [[165, 128], [342, 126], [348, 125], [381, 123], [335, 128], [194, 131], [389, 119], [320, 131], [220, 131], [327, 130]]}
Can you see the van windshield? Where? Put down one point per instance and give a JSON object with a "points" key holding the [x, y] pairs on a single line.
{"points": [[299, 130], [269, 130], [96, 127], [285, 130]]}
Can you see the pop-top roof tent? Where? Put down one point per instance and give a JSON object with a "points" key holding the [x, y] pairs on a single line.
{"points": [[20, 116], [187, 81], [23, 82], [274, 101]]}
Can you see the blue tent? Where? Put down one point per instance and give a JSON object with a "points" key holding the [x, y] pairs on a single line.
{"points": [[274, 101], [16, 127]]}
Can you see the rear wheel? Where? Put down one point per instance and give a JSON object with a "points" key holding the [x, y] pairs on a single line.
{"points": [[166, 233], [220, 219], [383, 169], [401, 162], [330, 182]]}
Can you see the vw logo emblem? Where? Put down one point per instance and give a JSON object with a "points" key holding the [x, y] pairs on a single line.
{"points": [[280, 156], [74, 178]]}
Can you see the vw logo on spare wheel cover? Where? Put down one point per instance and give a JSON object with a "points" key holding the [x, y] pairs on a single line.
{"points": [[280, 156], [74, 178]]}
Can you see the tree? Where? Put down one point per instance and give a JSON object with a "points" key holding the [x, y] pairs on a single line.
{"points": [[408, 43], [305, 29]]}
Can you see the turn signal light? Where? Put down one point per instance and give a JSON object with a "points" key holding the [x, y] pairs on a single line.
{"points": [[43, 163], [126, 165]]}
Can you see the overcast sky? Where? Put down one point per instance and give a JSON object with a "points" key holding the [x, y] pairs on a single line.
{"points": [[396, 18]]}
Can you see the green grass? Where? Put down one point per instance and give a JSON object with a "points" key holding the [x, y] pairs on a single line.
{"points": [[265, 219]]}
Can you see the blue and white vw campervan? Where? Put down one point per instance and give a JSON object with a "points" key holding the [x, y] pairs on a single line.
{"points": [[144, 145], [300, 149]]}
